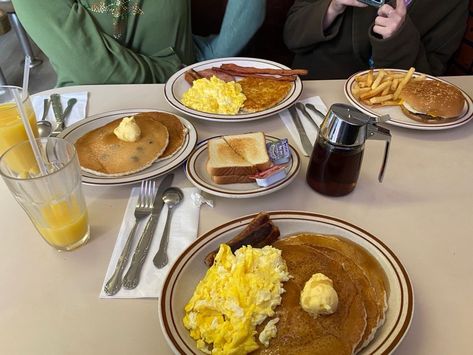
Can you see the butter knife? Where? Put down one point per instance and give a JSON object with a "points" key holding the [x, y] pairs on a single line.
{"points": [[132, 276], [302, 133], [57, 110]]}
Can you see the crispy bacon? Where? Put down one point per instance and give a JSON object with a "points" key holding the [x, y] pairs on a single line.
{"points": [[192, 75], [258, 233], [252, 70], [208, 73], [264, 76]]}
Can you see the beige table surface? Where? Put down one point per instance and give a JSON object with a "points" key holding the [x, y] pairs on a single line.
{"points": [[49, 301]]}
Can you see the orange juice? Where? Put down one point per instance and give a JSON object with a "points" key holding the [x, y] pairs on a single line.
{"points": [[12, 130], [64, 224]]}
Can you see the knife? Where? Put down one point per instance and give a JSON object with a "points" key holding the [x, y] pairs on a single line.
{"points": [[57, 110], [302, 108], [300, 129], [132, 276]]}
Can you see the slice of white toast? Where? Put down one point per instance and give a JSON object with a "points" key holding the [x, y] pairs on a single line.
{"points": [[223, 160], [251, 147]]}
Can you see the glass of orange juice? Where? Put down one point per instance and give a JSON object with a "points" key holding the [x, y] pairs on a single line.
{"points": [[53, 200], [12, 130]]}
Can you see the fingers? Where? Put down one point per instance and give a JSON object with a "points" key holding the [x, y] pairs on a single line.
{"points": [[389, 20], [401, 7], [386, 10]]}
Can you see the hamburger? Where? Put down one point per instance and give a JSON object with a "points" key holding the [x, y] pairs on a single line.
{"points": [[432, 101]]}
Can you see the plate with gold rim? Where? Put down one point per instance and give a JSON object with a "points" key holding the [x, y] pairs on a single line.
{"points": [[176, 86], [158, 168], [397, 116], [189, 268], [197, 174]]}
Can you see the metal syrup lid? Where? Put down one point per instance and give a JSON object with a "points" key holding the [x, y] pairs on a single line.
{"points": [[345, 125]]}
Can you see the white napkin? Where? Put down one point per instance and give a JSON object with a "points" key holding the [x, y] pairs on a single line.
{"points": [[308, 126], [78, 110], [183, 230]]}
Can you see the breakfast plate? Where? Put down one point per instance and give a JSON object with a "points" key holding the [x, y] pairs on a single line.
{"points": [[176, 86], [189, 268], [197, 174], [397, 116], [158, 168]]}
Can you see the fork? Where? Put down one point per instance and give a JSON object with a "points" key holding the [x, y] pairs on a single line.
{"points": [[143, 209]]}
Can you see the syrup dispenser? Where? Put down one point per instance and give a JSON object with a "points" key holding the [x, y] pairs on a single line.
{"points": [[335, 162]]}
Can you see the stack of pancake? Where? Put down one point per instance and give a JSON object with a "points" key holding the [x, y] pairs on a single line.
{"points": [[362, 292], [102, 153]]}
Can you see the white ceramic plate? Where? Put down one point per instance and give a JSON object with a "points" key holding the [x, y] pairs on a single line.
{"points": [[159, 168], [189, 268], [176, 86], [397, 116], [197, 174]]}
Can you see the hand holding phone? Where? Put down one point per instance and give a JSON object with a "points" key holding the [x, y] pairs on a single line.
{"points": [[390, 19], [376, 3]]}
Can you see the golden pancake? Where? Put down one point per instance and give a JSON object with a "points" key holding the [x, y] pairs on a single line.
{"points": [[298, 332], [102, 153], [177, 131], [363, 268], [262, 94]]}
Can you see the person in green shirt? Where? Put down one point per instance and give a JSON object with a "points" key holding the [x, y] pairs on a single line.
{"points": [[130, 41]]}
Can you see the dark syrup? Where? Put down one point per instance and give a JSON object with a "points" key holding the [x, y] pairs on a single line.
{"points": [[334, 170]]}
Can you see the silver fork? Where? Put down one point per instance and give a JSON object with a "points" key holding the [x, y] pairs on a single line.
{"points": [[143, 209]]}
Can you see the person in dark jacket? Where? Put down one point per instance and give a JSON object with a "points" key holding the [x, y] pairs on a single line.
{"points": [[336, 38]]}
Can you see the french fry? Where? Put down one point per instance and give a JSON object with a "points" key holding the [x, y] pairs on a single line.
{"points": [[419, 77], [375, 92], [391, 103], [356, 90], [378, 79], [388, 88], [382, 87], [369, 78], [403, 83], [380, 99]]}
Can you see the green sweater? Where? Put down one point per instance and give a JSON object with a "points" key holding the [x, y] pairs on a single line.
{"points": [[96, 42], [430, 34]]}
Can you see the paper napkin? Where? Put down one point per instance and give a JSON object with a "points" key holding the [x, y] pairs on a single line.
{"points": [[183, 230], [308, 126], [78, 112]]}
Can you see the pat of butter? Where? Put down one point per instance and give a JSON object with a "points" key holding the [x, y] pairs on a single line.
{"points": [[319, 296], [128, 130]]}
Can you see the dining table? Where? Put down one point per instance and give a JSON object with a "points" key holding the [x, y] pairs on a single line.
{"points": [[49, 300]]}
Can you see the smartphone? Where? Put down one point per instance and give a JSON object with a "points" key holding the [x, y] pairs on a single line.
{"points": [[376, 3]]}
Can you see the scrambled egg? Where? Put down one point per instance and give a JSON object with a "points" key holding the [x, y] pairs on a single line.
{"points": [[236, 294], [214, 96]]}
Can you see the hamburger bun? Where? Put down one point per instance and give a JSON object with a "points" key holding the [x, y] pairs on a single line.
{"points": [[432, 101]]}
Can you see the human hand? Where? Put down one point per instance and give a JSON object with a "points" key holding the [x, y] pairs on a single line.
{"points": [[389, 20], [337, 7]]}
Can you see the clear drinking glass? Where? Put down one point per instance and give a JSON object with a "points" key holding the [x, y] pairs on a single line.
{"points": [[12, 130], [54, 201]]}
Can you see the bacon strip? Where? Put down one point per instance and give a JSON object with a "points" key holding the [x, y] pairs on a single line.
{"points": [[271, 71], [258, 233], [263, 76], [192, 75]]}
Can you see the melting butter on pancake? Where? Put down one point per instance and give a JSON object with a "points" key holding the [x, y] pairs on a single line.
{"points": [[362, 267], [262, 94], [102, 153], [177, 131], [301, 333]]}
